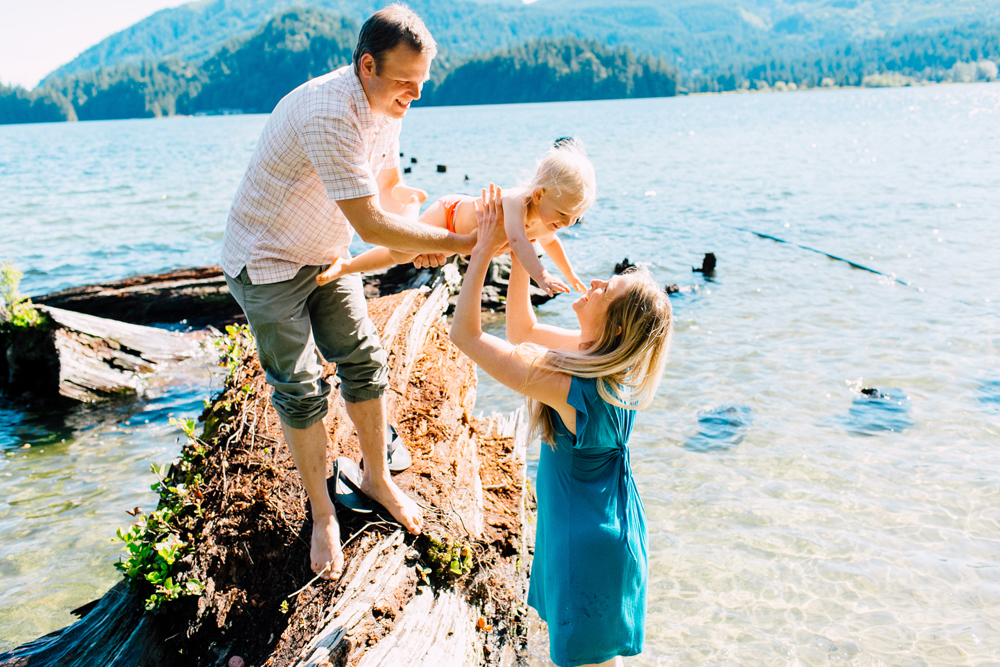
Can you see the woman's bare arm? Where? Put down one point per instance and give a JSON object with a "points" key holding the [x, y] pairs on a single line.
{"points": [[522, 327], [494, 355]]}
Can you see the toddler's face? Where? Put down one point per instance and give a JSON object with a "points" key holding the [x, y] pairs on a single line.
{"points": [[556, 212]]}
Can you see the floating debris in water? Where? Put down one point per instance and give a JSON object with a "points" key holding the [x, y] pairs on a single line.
{"points": [[721, 428], [407, 170], [442, 168], [876, 411], [413, 160]]}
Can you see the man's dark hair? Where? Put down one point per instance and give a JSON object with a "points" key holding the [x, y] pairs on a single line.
{"points": [[388, 28]]}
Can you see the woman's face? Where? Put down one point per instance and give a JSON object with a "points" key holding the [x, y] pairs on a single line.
{"points": [[592, 308], [554, 211]]}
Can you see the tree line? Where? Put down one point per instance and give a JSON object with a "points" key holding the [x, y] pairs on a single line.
{"points": [[253, 72], [961, 53]]}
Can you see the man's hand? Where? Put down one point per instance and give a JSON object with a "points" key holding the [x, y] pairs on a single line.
{"points": [[429, 260]]}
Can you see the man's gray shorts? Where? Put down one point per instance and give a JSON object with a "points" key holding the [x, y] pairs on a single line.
{"points": [[295, 321]]}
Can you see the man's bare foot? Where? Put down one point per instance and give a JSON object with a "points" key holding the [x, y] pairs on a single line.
{"points": [[391, 497], [335, 271], [327, 558]]}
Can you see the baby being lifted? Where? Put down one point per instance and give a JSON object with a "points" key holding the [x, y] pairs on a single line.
{"points": [[562, 189]]}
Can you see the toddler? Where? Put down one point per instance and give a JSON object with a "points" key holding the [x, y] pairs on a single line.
{"points": [[561, 190]]}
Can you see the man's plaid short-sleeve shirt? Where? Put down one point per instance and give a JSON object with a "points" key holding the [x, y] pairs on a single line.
{"points": [[321, 144]]}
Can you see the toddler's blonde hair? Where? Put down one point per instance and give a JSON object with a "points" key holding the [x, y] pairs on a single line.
{"points": [[567, 170]]}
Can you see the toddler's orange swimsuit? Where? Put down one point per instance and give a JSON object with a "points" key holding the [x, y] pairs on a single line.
{"points": [[450, 204]]}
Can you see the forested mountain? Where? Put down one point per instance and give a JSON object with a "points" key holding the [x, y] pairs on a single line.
{"points": [[962, 53], [253, 72], [697, 36], [553, 71]]}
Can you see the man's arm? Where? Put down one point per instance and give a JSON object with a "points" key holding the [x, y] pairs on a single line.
{"points": [[374, 225]]}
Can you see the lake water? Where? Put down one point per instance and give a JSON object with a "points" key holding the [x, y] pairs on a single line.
{"points": [[793, 520]]}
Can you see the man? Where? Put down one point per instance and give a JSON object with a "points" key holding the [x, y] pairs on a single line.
{"points": [[327, 164]]}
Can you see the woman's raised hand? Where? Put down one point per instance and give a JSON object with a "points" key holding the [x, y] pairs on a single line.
{"points": [[489, 215]]}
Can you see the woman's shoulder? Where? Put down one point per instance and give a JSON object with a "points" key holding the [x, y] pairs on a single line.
{"points": [[599, 423]]}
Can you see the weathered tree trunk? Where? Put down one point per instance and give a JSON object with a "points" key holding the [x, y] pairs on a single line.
{"points": [[251, 544], [85, 358], [200, 297]]}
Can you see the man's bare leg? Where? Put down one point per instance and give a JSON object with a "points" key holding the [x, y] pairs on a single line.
{"points": [[308, 447], [369, 420]]}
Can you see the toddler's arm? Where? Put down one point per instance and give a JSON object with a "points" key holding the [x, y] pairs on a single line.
{"points": [[522, 249], [553, 247]]}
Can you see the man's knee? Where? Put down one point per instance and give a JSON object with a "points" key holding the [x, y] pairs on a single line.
{"points": [[302, 404], [364, 376]]}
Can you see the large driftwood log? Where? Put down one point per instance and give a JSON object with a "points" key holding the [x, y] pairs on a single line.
{"points": [[251, 544], [86, 358], [200, 297]]}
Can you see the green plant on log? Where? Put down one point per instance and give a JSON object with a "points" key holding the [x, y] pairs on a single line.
{"points": [[19, 311], [234, 346], [157, 541], [448, 559]]}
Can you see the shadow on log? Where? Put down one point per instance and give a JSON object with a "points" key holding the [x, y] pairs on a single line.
{"points": [[401, 601]]}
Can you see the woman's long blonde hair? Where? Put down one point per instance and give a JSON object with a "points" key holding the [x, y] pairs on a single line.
{"points": [[627, 358]]}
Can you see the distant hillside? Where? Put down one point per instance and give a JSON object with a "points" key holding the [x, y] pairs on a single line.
{"points": [[553, 71], [696, 36], [253, 72], [961, 53]]}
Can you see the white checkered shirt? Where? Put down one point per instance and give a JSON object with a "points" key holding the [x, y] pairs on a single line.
{"points": [[321, 144]]}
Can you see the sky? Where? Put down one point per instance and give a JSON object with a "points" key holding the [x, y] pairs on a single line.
{"points": [[40, 35]]}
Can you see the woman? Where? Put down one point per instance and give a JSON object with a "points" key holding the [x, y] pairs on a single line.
{"points": [[588, 579]]}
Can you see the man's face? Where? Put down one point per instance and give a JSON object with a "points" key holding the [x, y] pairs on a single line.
{"points": [[403, 74]]}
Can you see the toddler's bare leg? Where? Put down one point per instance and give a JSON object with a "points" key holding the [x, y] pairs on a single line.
{"points": [[372, 260]]}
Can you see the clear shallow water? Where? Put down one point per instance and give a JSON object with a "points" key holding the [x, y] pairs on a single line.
{"points": [[809, 532]]}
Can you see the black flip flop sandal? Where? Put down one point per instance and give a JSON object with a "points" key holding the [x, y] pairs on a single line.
{"points": [[397, 456], [348, 486]]}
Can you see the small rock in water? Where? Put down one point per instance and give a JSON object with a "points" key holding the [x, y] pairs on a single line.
{"points": [[876, 411], [707, 265], [671, 288], [721, 428], [407, 170], [442, 168], [623, 266], [413, 160], [236, 661]]}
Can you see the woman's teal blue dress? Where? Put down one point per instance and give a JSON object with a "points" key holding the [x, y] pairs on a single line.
{"points": [[589, 574]]}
